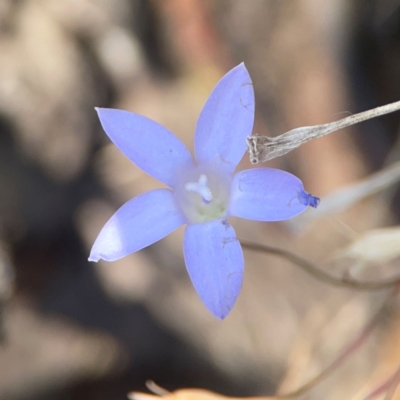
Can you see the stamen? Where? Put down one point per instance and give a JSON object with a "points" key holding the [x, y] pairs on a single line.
{"points": [[308, 199], [201, 188]]}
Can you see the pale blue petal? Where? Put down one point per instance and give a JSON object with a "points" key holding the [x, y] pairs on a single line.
{"points": [[140, 222], [153, 148], [266, 194], [214, 260], [226, 120]]}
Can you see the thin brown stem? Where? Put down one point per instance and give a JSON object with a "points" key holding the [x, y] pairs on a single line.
{"points": [[317, 272], [350, 349], [395, 380], [389, 386]]}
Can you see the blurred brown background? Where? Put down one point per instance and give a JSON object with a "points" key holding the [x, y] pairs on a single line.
{"points": [[77, 330]]}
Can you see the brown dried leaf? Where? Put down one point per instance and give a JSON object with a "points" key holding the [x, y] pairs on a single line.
{"points": [[264, 148]]}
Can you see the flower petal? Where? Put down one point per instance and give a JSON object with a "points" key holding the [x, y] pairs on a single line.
{"points": [[153, 148], [266, 194], [140, 222], [226, 120], [214, 260]]}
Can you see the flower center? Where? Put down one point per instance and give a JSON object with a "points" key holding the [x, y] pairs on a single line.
{"points": [[203, 194], [201, 188]]}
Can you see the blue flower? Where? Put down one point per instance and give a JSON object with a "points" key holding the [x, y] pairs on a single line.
{"points": [[203, 192]]}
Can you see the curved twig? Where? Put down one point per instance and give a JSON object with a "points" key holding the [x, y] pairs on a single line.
{"points": [[318, 273]]}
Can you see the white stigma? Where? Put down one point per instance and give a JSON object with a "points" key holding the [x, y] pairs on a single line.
{"points": [[201, 188]]}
